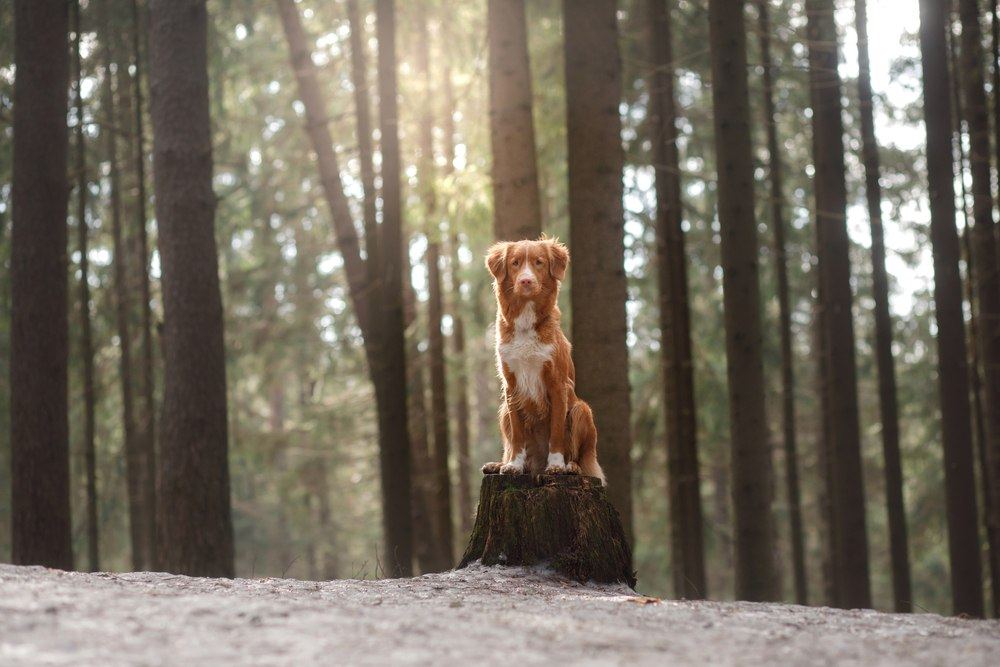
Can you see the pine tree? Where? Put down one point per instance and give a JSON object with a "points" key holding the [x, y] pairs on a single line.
{"points": [[146, 419], [39, 330], [784, 312], [516, 202], [441, 496], [752, 475], [853, 588], [110, 131], [86, 332], [373, 290], [687, 544], [986, 276], [596, 231], [896, 511], [953, 371], [196, 535]]}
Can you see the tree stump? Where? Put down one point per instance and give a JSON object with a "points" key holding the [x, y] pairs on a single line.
{"points": [[565, 521]]}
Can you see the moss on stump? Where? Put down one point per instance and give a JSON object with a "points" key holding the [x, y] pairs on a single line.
{"points": [[565, 521]]}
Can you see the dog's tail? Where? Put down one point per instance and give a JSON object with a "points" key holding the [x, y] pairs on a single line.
{"points": [[583, 435]]}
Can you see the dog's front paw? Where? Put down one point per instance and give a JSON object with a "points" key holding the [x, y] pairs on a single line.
{"points": [[512, 468], [515, 466], [556, 465], [573, 469], [492, 468]]}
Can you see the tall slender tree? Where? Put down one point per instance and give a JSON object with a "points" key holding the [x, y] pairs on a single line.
{"points": [[146, 420], [978, 422], [833, 244], [596, 230], [435, 303], [376, 306], [895, 509], [110, 131], [39, 331], [462, 436], [395, 461], [784, 312], [953, 378], [86, 335], [995, 79], [425, 543], [195, 515], [687, 545], [986, 277], [756, 576], [517, 207]]}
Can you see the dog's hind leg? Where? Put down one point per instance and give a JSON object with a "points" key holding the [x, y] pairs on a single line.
{"points": [[583, 439]]}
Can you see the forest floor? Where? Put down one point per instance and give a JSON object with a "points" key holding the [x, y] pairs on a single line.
{"points": [[481, 615]]}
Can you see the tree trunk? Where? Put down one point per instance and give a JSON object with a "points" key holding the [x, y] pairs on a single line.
{"points": [[424, 541], [110, 130], [995, 71], [784, 314], [195, 520], [461, 390], [381, 323], [833, 245], [960, 493], [146, 423], [427, 545], [986, 277], [687, 544], [441, 496], [979, 427], [457, 320], [752, 475], [395, 455], [898, 549], [39, 335], [366, 151], [516, 202], [828, 527], [439, 402], [563, 521], [992, 530], [86, 335], [596, 230]]}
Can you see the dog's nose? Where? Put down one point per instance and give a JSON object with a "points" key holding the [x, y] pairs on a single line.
{"points": [[526, 282]]}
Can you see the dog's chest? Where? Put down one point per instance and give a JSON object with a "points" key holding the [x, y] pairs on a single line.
{"points": [[525, 355]]}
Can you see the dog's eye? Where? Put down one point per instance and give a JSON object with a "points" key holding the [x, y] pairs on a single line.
{"points": [[516, 262], [538, 262]]}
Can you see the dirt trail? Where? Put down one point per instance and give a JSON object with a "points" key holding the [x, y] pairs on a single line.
{"points": [[478, 615]]}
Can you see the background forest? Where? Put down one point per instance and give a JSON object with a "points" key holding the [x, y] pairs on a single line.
{"points": [[303, 441]]}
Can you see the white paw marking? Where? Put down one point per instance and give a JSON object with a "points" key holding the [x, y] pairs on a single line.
{"points": [[514, 467], [525, 355], [556, 461]]}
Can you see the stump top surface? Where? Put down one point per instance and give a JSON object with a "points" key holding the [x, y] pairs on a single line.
{"points": [[532, 481]]}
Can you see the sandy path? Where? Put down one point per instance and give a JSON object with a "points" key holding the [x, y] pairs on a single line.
{"points": [[478, 615]]}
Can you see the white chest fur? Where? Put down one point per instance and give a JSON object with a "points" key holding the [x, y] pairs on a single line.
{"points": [[525, 355]]}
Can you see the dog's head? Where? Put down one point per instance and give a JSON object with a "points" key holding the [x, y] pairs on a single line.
{"points": [[527, 269]]}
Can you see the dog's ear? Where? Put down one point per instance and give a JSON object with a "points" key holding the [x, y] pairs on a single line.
{"points": [[558, 259], [496, 260]]}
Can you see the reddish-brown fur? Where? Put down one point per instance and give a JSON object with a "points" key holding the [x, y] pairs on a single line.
{"points": [[542, 417]]}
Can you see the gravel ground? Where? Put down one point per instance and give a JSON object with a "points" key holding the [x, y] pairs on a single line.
{"points": [[479, 615]]}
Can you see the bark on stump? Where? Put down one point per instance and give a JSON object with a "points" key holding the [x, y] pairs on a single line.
{"points": [[565, 521]]}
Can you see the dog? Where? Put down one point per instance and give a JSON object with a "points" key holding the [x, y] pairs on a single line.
{"points": [[546, 428]]}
